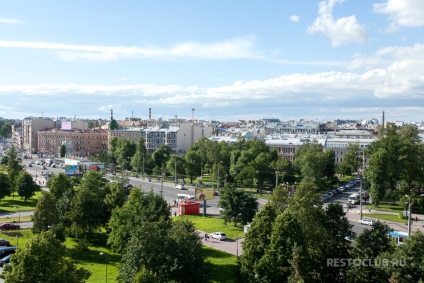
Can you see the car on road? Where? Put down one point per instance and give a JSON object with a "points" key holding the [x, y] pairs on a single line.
{"points": [[219, 236], [350, 238], [5, 251], [4, 242], [180, 187], [9, 226], [366, 221]]}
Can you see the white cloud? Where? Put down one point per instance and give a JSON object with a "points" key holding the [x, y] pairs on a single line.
{"points": [[294, 18], [236, 48], [340, 31], [9, 21], [409, 13]]}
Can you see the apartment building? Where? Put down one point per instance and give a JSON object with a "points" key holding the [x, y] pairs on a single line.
{"points": [[82, 143], [30, 128]]}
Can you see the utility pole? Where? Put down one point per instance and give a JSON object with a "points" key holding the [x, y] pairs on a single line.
{"points": [[409, 215], [175, 170], [276, 178], [161, 187]]}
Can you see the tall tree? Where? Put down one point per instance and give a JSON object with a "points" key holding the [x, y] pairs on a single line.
{"points": [[352, 160], [138, 159], [46, 214], [44, 260], [5, 186], [237, 202], [369, 245], [161, 248], [193, 163], [26, 185], [139, 208], [62, 150], [113, 125], [13, 168], [59, 184]]}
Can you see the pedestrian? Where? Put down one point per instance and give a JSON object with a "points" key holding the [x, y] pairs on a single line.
{"points": [[369, 209], [175, 214], [416, 218], [206, 236]]}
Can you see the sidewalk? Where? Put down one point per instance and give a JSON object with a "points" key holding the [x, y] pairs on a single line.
{"points": [[354, 215]]}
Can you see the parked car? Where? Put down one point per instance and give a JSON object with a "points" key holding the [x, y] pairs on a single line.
{"points": [[5, 251], [180, 187], [5, 260], [4, 242], [9, 226], [219, 236], [366, 221], [350, 238]]}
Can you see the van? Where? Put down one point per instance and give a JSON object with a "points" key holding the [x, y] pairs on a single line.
{"points": [[4, 251], [354, 198]]}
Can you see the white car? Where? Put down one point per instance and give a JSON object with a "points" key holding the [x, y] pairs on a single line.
{"points": [[180, 187], [219, 236], [366, 221]]}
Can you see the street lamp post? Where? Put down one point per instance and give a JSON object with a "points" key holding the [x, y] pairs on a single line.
{"points": [[237, 234], [19, 213], [409, 215], [104, 254]]}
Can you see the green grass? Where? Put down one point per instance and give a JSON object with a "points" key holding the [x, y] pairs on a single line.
{"points": [[255, 194], [213, 224], [16, 219], [388, 208], [14, 204], [385, 216], [222, 265]]}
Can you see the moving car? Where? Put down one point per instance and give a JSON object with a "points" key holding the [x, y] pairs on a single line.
{"points": [[219, 236], [366, 221], [180, 187], [9, 226]]}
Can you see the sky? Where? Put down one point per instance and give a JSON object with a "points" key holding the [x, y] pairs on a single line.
{"points": [[228, 60]]}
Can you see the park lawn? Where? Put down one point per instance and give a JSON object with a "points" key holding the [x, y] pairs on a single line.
{"points": [[253, 192], [386, 216], [212, 224], [15, 204], [388, 208], [222, 265]]}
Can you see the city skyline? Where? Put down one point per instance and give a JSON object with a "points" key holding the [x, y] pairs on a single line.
{"points": [[243, 60]]}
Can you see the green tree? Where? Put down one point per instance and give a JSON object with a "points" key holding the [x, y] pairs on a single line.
{"points": [[176, 164], [113, 125], [13, 168], [44, 260], [115, 197], [5, 186], [138, 159], [237, 202], [139, 208], [369, 245], [46, 214], [193, 162], [26, 185], [352, 160], [6, 128], [377, 174], [256, 241], [59, 184], [310, 162], [62, 150], [410, 257], [160, 249]]}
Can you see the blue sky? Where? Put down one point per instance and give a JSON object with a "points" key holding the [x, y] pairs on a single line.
{"points": [[230, 60]]}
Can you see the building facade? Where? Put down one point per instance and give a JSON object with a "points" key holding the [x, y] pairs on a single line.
{"points": [[84, 143], [30, 128]]}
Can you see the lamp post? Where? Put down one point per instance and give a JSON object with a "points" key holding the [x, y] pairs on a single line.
{"points": [[237, 234], [104, 254], [409, 215], [19, 213]]}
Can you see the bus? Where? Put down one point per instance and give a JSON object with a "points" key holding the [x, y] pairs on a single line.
{"points": [[354, 198], [398, 237]]}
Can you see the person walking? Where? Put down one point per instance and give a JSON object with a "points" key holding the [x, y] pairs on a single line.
{"points": [[206, 236]]}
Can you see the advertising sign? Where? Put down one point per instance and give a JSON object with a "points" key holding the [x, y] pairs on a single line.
{"points": [[66, 125], [205, 193], [72, 170]]}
